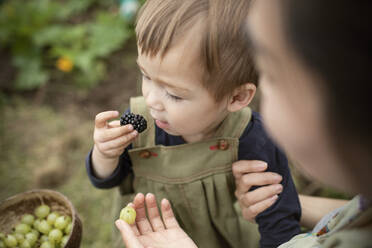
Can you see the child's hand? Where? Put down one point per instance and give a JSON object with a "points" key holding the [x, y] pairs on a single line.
{"points": [[110, 139], [251, 173]]}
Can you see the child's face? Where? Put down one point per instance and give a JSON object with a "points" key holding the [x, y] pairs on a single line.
{"points": [[174, 92], [293, 104]]}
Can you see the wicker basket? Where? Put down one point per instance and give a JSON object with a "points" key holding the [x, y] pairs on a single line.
{"points": [[13, 208]]}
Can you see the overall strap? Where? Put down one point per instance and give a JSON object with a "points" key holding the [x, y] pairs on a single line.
{"points": [[235, 123], [147, 137]]}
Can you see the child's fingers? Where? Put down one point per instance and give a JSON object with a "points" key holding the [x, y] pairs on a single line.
{"points": [[104, 135], [256, 179], [115, 123], [251, 212], [129, 237], [253, 197], [168, 215], [153, 213], [242, 167], [103, 117], [143, 223], [118, 142], [113, 133]]}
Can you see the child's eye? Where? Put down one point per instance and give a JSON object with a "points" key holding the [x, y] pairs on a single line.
{"points": [[173, 97]]}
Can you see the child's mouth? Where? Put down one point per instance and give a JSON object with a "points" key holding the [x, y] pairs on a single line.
{"points": [[162, 124]]}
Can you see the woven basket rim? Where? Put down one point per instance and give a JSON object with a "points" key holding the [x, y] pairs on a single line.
{"points": [[38, 191]]}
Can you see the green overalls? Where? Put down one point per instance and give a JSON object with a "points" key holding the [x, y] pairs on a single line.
{"points": [[196, 178], [349, 228]]}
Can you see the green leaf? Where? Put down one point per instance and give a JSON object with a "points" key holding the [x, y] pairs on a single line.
{"points": [[108, 34], [60, 34], [90, 78], [30, 75], [73, 7]]}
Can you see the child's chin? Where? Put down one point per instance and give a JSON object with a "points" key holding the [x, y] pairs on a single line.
{"points": [[170, 132]]}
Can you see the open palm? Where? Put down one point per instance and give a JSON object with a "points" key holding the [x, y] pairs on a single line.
{"points": [[153, 231]]}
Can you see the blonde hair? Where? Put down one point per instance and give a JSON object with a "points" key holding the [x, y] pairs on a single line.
{"points": [[225, 52]]}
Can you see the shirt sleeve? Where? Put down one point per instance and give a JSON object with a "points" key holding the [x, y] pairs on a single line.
{"points": [[280, 222], [123, 169]]}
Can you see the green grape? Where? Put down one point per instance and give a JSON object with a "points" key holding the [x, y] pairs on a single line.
{"points": [[61, 222], [19, 237], [25, 244], [64, 240], [10, 241], [68, 218], [36, 224], [22, 228], [43, 238], [128, 214], [2, 245], [47, 244], [42, 211], [35, 232], [44, 227], [52, 217], [31, 238], [55, 235], [28, 219], [68, 228]]}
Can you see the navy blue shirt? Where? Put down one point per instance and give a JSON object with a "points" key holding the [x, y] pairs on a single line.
{"points": [[277, 224]]}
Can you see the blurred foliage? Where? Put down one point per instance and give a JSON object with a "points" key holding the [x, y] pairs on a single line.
{"points": [[71, 36]]}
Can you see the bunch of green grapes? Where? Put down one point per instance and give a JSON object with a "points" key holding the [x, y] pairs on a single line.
{"points": [[44, 229]]}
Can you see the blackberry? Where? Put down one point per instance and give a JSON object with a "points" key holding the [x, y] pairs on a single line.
{"points": [[138, 122]]}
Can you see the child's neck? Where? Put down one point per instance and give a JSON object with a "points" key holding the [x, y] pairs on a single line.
{"points": [[204, 136]]}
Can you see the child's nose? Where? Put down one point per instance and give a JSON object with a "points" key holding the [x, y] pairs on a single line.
{"points": [[153, 100]]}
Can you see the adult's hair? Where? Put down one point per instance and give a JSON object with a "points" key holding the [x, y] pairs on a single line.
{"points": [[333, 39], [224, 54]]}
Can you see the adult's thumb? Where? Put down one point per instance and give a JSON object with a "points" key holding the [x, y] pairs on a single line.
{"points": [[127, 234]]}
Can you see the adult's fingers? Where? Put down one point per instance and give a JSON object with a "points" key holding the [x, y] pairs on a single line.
{"points": [[153, 213], [143, 223], [242, 167], [134, 225], [103, 117], [168, 216], [260, 194], [256, 179], [251, 212], [129, 237]]}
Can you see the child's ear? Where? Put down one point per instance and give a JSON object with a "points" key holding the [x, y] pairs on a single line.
{"points": [[241, 97]]}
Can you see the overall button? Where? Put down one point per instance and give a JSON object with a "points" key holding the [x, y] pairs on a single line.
{"points": [[145, 154], [223, 145]]}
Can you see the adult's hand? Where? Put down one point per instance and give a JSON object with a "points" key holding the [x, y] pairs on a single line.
{"points": [[153, 231], [249, 173]]}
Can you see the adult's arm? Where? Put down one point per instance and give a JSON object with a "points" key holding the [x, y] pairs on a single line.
{"points": [[314, 208]]}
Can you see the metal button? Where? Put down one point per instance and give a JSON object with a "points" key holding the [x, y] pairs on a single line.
{"points": [[223, 145], [145, 154]]}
